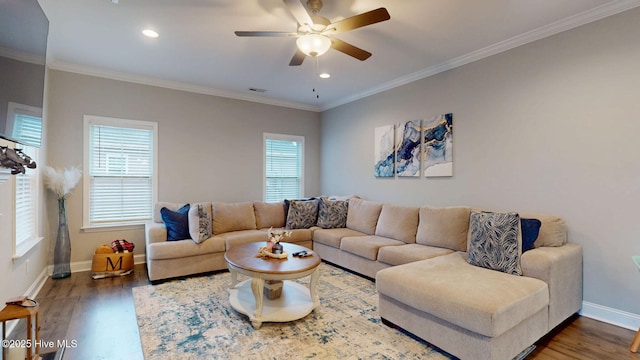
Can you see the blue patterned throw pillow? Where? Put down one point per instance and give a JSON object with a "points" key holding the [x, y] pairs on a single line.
{"points": [[302, 214], [332, 213], [495, 241], [177, 223]]}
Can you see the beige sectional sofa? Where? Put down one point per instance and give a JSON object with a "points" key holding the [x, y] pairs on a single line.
{"points": [[425, 264], [230, 224]]}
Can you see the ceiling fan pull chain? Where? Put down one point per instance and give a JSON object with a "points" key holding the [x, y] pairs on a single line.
{"points": [[315, 76]]}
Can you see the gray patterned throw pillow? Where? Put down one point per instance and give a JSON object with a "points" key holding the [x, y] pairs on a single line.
{"points": [[332, 213], [495, 241], [302, 214], [200, 222]]}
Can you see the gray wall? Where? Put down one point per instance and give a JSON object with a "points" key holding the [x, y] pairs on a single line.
{"points": [[19, 80], [210, 148], [549, 127]]}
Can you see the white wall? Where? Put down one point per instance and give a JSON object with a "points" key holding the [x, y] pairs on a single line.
{"points": [[210, 148], [550, 127]]}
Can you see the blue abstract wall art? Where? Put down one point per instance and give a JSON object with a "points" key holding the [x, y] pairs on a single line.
{"points": [[408, 148], [437, 151], [384, 151]]}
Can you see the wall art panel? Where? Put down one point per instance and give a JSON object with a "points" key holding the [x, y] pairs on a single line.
{"points": [[384, 151], [437, 148], [408, 148]]}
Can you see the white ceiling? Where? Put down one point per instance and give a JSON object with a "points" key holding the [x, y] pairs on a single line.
{"points": [[198, 51]]}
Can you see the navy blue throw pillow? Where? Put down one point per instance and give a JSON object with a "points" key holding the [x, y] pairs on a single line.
{"points": [[177, 223], [530, 232]]}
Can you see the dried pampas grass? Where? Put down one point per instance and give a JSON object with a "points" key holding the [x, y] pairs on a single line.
{"points": [[61, 182]]}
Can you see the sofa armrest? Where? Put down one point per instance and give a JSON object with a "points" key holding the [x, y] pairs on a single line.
{"points": [[561, 268], [155, 232]]}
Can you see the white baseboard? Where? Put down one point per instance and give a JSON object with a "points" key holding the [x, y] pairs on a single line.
{"points": [[611, 316], [86, 265]]}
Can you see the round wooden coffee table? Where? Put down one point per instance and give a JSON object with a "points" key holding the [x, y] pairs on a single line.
{"points": [[289, 300]]}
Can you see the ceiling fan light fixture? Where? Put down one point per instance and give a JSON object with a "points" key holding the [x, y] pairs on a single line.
{"points": [[150, 33], [313, 44]]}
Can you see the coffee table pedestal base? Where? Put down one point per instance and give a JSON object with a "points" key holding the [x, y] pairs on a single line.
{"points": [[294, 303]]}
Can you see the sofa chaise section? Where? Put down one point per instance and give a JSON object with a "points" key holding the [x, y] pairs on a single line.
{"points": [[477, 313]]}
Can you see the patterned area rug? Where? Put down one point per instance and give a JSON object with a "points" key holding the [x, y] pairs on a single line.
{"points": [[192, 318]]}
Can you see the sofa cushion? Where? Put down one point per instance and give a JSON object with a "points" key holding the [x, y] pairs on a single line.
{"points": [[495, 241], [332, 237], [296, 235], [445, 227], [184, 248], [177, 222], [302, 214], [269, 214], [332, 213], [200, 222], [530, 231], [477, 299], [233, 238], [398, 255], [367, 246], [233, 217], [363, 215], [398, 222]]}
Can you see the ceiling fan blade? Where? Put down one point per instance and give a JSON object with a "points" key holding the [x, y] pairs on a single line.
{"points": [[358, 21], [299, 12], [297, 58], [350, 50], [264, 33]]}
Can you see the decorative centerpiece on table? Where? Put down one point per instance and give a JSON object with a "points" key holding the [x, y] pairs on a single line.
{"points": [[274, 248], [61, 182]]}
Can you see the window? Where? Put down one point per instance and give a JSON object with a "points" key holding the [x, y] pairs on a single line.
{"points": [[26, 206], [283, 167], [120, 159]]}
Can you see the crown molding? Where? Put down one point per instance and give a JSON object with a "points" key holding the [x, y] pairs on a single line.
{"points": [[601, 12], [21, 56], [175, 85]]}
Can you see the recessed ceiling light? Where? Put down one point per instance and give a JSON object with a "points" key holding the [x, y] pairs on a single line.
{"points": [[325, 75], [150, 33]]}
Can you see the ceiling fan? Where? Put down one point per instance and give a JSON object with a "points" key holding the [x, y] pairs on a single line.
{"points": [[314, 34]]}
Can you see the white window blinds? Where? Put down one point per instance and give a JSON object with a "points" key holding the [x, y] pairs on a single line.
{"points": [[121, 172], [26, 194], [28, 129], [283, 167]]}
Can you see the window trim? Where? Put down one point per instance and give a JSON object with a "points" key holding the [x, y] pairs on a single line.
{"points": [[108, 121], [281, 137]]}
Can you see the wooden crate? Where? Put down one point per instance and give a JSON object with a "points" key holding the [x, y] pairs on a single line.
{"points": [[116, 264]]}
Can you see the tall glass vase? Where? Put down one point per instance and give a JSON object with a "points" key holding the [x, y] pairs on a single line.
{"points": [[62, 251]]}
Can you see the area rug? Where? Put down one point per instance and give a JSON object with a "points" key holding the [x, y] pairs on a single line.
{"points": [[192, 319]]}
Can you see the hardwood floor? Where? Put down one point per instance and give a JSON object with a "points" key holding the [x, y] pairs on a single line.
{"points": [[100, 317]]}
